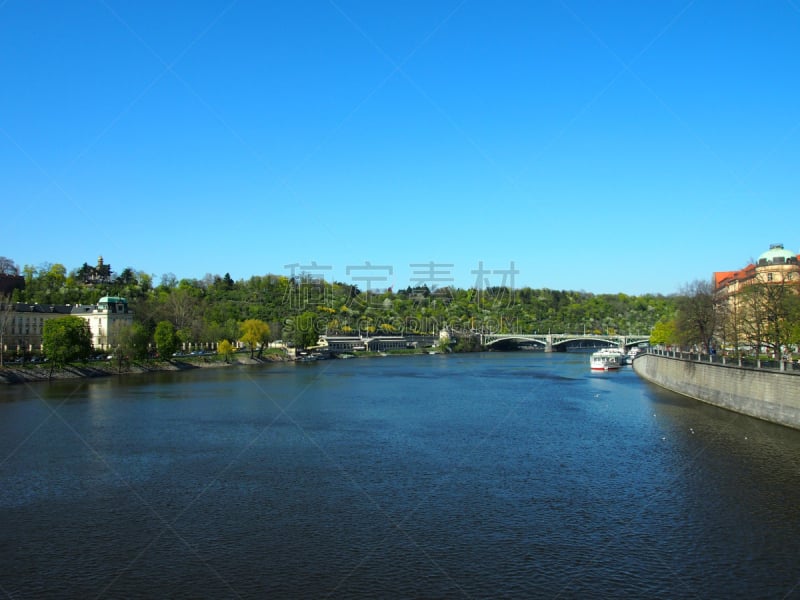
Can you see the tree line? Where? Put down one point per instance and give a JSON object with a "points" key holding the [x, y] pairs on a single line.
{"points": [[298, 309]]}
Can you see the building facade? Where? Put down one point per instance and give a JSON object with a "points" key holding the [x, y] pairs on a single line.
{"points": [[756, 302], [776, 265], [21, 325], [105, 319]]}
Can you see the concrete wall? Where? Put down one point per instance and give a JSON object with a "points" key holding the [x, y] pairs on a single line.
{"points": [[770, 395]]}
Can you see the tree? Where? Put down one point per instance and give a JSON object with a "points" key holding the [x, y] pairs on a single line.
{"points": [[225, 349], [732, 321], [127, 277], [663, 332], [132, 341], [793, 329], [56, 276], [181, 306], [166, 340], [305, 330], [255, 333], [697, 314], [769, 306], [8, 267], [66, 339]]}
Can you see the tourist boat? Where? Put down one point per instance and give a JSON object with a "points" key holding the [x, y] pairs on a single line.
{"points": [[606, 359]]}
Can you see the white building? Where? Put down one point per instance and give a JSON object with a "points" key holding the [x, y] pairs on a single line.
{"points": [[105, 319]]}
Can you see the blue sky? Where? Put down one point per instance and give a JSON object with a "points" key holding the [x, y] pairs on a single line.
{"points": [[601, 146]]}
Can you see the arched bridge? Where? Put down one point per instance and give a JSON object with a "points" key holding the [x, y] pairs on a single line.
{"points": [[554, 341]]}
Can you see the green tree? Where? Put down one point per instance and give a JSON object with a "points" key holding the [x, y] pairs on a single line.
{"points": [[66, 339], [132, 342], [793, 322], [254, 333], [166, 339], [305, 332], [663, 333]]}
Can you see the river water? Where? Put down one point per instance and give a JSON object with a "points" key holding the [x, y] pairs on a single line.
{"points": [[463, 476]]}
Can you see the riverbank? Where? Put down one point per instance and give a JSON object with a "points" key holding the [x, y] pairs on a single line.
{"points": [[770, 395], [41, 372]]}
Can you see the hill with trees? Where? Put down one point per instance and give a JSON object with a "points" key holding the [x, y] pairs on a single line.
{"points": [[218, 308]]}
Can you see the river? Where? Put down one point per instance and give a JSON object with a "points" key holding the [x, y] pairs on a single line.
{"points": [[519, 475]]}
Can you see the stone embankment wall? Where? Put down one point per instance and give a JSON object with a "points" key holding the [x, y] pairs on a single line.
{"points": [[770, 395]]}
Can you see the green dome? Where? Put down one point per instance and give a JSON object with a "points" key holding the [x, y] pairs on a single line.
{"points": [[776, 254]]}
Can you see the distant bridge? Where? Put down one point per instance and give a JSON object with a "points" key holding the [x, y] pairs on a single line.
{"points": [[553, 342]]}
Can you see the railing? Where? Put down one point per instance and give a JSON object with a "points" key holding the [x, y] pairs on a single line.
{"points": [[745, 362]]}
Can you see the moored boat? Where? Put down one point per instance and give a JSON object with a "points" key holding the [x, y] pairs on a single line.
{"points": [[606, 359], [633, 353]]}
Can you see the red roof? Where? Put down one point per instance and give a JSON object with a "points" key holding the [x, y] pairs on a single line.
{"points": [[723, 278]]}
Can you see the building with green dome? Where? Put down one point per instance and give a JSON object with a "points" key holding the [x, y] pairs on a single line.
{"points": [[755, 300], [776, 265], [105, 319]]}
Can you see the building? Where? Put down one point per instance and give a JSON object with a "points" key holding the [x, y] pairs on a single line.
{"points": [[105, 319], [21, 326], [776, 265], [378, 343], [756, 300]]}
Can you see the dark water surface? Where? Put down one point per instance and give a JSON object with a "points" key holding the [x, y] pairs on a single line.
{"points": [[469, 476]]}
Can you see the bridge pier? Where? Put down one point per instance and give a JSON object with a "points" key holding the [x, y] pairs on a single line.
{"points": [[548, 343]]}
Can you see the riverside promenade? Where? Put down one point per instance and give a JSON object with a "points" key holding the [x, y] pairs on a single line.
{"points": [[768, 390]]}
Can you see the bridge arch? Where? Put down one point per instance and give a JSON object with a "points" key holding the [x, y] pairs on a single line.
{"points": [[515, 338], [606, 343]]}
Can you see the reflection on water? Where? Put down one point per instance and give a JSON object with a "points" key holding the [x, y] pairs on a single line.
{"points": [[437, 476]]}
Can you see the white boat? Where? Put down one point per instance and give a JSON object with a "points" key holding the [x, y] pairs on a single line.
{"points": [[607, 359], [634, 352]]}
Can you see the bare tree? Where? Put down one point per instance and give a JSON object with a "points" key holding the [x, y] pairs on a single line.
{"points": [[768, 305], [181, 308], [8, 267], [731, 323], [698, 314]]}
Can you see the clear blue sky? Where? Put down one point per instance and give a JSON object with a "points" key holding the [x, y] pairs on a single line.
{"points": [[600, 146]]}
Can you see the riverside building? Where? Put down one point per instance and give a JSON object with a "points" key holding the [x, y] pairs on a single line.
{"points": [[22, 324], [755, 302]]}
